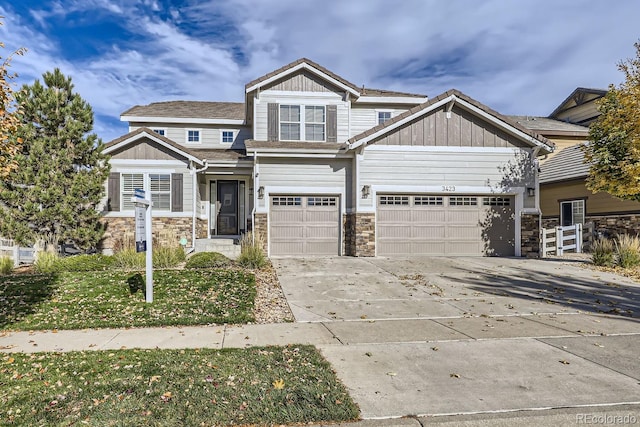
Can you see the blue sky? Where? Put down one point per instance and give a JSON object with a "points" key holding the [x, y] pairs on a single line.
{"points": [[518, 57]]}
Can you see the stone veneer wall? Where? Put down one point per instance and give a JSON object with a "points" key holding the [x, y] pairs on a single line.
{"points": [[260, 228], [606, 225], [166, 231], [349, 232], [530, 235], [201, 228], [364, 234]]}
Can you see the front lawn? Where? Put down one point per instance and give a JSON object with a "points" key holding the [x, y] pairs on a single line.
{"points": [[270, 385], [115, 299]]}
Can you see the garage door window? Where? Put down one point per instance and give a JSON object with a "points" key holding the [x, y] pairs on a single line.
{"points": [[394, 200], [322, 201], [496, 201], [287, 201], [463, 201], [428, 201]]}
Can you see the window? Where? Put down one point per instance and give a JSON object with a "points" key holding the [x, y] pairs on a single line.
{"points": [[572, 212], [314, 121], [463, 201], [159, 131], [290, 122], [428, 201], [383, 116], [130, 181], [310, 126], [227, 136], [322, 201], [286, 201], [496, 201], [394, 200], [160, 188], [193, 136]]}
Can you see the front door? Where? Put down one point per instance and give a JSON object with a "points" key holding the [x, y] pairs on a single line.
{"points": [[227, 221]]}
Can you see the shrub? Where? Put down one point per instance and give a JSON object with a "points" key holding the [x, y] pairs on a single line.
{"points": [[6, 265], [603, 252], [251, 253], [94, 262], [628, 250], [47, 263], [208, 260], [167, 257], [129, 259]]}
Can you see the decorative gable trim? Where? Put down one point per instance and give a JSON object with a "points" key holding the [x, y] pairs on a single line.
{"points": [[138, 134], [449, 99], [302, 66]]}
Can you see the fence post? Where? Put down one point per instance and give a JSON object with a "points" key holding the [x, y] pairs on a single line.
{"points": [[16, 255], [559, 241], [543, 231], [579, 238]]}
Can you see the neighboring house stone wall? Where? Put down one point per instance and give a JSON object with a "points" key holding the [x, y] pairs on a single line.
{"points": [[605, 225], [530, 235], [261, 228], [120, 232]]}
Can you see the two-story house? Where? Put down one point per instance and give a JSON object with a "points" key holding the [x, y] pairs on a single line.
{"points": [[317, 165]]}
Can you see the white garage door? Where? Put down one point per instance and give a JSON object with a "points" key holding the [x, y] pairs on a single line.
{"points": [[304, 225], [445, 225]]}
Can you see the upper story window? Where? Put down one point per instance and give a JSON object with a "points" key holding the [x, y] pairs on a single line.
{"points": [[572, 212], [383, 116], [227, 136], [310, 126], [193, 136], [159, 131]]}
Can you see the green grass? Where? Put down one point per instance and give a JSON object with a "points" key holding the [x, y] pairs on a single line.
{"points": [[111, 299], [208, 260], [266, 386]]}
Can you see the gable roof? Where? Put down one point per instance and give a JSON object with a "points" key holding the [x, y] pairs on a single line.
{"points": [[367, 91], [450, 97], [549, 126], [579, 96], [144, 132], [567, 164], [176, 110], [302, 64]]}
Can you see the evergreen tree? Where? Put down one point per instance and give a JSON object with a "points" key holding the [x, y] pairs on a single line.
{"points": [[53, 193]]}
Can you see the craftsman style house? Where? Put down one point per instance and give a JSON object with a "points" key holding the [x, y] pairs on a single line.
{"points": [[316, 165]]}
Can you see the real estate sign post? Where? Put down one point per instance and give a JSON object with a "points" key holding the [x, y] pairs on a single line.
{"points": [[144, 237]]}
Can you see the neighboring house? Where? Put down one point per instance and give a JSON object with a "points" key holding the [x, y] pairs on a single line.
{"points": [[564, 197], [316, 165]]}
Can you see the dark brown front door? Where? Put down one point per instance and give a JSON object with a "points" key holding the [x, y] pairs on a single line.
{"points": [[227, 222]]}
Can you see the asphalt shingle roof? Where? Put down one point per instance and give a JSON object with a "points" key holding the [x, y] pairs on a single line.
{"points": [[189, 110], [566, 165], [547, 125]]}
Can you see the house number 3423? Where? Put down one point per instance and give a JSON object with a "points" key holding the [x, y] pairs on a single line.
{"points": [[449, 188]]}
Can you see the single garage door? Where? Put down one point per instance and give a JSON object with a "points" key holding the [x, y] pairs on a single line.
{"points": [[464, 225], [304, 225]]}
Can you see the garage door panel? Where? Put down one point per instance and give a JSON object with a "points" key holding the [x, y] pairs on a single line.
{"points": [[304, 225], [445, 225]]}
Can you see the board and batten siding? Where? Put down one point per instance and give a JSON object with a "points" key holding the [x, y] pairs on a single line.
{"points": [[210, 135], [412, 169], [145, 149], [296, 98], [364, 118], [302, 81], [595, 204], [462, 129], [305, 175]]}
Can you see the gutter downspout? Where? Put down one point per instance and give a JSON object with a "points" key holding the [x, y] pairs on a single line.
{"points": [[195, 172], [536, 185], [255, 198]]}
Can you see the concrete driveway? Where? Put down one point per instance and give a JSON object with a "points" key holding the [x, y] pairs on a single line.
{"points": [[440, 336]]}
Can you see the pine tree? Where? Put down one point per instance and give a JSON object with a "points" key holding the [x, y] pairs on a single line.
{"points": [[53, 193]]}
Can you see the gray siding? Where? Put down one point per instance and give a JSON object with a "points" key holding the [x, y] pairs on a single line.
{"points": [[462, 129], [302, 81], [210, 135], [364, 118], [145, 149], [307, 174]]}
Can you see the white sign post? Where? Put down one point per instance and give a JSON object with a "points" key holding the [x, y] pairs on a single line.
{"points": [[144, 236]]}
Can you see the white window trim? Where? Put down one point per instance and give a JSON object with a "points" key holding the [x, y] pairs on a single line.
{"points": [[234, 134], [146, 184], [186, 136], [584, 213], [302, 121], [162, 129], [378, 111]]}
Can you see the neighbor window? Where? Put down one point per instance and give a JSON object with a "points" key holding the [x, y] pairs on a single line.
{"points": [[572, 212], [159, 131], [383, 116], [295, 126], [130, 182], [160, 188], [227, 136], [193, 136]]}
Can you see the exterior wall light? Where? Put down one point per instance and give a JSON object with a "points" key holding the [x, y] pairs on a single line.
{"points": [[531, 191], [260, 192], [366, 191]]}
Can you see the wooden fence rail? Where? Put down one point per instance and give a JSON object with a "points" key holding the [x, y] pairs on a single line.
{"points": [[568, 238], [19, 255]]}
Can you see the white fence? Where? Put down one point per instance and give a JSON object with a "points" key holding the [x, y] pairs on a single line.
{"points": [[18, 254], [568, 238]]}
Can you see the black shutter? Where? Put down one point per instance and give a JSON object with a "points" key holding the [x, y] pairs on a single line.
{"points": [[332, 123], [273, 121], [113, 192], [177, 191]]}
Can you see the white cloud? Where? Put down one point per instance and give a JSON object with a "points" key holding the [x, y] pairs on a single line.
{"points": [[517, 57]]}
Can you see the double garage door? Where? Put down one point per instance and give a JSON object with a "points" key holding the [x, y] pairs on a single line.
{"points": [[464, 225], [304, 225]]}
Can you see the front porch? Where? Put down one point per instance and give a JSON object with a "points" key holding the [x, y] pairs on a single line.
{"points": [[227, 246]]}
